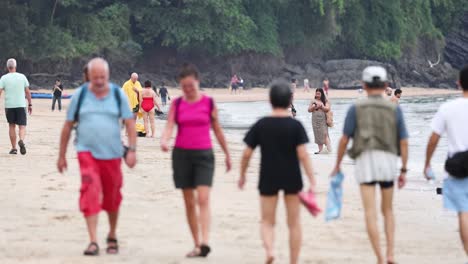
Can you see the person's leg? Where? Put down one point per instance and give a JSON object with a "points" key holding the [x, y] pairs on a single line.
{"points": [[267, 229], [22, 132], [12, 133], [320, 147], [463, 220], [145, 122], [90, 194], [203, 193], [191, 213], [294, 224], [59, 101], [328, 142], [389, 220], [54, 99], [152, 121], [370, 211]]}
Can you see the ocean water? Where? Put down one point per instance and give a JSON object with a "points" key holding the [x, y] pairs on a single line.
{"points": [[236, 118]]}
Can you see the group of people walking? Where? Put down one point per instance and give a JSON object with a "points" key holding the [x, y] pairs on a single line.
{"points": [[375, 125]]}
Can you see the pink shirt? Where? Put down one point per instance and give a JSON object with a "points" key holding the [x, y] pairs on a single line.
{"points": [[194, 124]]}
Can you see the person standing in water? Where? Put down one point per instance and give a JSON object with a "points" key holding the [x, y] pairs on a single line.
{"points": [[148, 104], [16, 87], [326, 86], [306, 85], [192, 157], [96, 110], [132, 89], [396, 96], [57, 95], [451, 120], [319, 107], [282, 141], [379, 135]]}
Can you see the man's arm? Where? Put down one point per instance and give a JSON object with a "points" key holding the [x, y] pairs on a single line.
{"points": [[431, 147], [341, 152], [29, 98], [130, 159], [404, 162], [246, 156], [64, 139], [305, 161]]}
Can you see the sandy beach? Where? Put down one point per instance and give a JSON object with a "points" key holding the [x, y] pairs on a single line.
{"points": [[40, 221]]}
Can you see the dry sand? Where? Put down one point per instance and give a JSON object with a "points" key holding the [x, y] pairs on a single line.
{"points": [[40, 221]]}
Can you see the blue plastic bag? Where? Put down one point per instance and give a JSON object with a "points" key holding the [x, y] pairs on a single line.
{"points": [[334, 198]]}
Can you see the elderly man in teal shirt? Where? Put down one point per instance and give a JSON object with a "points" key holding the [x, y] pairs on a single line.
{"points": [[16, 87]]}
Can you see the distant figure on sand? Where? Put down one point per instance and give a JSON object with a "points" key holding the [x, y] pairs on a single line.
{"points": [[319, 107], [164, 93], [57, 95], [326, 86], [96, 111], [396, 96], [192, 157], [306, 85], [234, 83], [282, 141], [379, 135], [132, 89], [452, 120], [293, 85], [148, 104], [16, 87]]}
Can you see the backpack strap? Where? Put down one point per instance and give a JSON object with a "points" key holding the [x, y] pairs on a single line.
{"points": [[117, 98], [83, 91]]}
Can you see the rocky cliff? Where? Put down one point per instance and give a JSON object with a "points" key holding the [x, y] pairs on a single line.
{"points": [[456, 50]]}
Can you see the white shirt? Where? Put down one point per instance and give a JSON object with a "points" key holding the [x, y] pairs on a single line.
{"points": [[452, 119]]}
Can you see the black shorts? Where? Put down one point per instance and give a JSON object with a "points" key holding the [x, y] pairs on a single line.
{"points": [[274, 192], [192, 168], [16, 116], [383, 184]]}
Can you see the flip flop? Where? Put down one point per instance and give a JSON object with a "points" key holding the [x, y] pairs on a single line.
{"points": [[13, 152], [89, 252], [114, 249], [22, 147]]}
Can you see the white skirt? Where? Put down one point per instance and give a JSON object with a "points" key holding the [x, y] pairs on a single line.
{"points": [[376, 165]]}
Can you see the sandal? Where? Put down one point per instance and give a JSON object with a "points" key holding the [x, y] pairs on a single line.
{"points": [[89, 252], [22, 147], [13, 152], [114, 248], [198, 252]]}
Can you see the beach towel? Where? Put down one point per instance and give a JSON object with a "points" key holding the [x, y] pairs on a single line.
{"points": [[309, 201], [334, 198]]}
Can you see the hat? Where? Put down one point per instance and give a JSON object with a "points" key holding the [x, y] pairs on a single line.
{"points": [[374, 74]]}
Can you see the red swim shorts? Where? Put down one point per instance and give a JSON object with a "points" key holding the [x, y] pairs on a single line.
{"points": [[101, 181]]}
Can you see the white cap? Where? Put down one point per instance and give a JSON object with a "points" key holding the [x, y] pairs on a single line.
{"points": [[374, 74]]}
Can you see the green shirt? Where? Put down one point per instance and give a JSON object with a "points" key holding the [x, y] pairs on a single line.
{"points": [[14, 85]]}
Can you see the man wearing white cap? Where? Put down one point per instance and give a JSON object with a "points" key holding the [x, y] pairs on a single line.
{"points": [[379, 135]]}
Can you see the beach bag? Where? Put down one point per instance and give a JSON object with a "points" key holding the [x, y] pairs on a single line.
{"points": [[334, 198], [329, 118], [309, 201], [457, 166]]}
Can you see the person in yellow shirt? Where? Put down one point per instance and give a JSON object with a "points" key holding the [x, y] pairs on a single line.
{"points": [[132, 89]]}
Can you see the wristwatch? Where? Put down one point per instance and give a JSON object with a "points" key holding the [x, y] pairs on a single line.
{"points": [[403, 170], [30, 105], [132, 148]]}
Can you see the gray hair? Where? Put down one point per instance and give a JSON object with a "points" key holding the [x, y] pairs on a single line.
{"points": [[11, 63], [98, 61]]}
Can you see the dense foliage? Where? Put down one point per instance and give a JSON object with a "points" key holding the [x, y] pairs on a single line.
{"points": [[377, 29]]}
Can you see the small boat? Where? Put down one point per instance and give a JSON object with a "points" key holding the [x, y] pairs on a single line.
{"points": [[35, 95]]}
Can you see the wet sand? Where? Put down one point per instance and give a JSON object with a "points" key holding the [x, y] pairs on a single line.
{"points": [[40, 221]]}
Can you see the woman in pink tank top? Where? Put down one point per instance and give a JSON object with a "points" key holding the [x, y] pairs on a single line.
{"points": [[192, 157]]}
